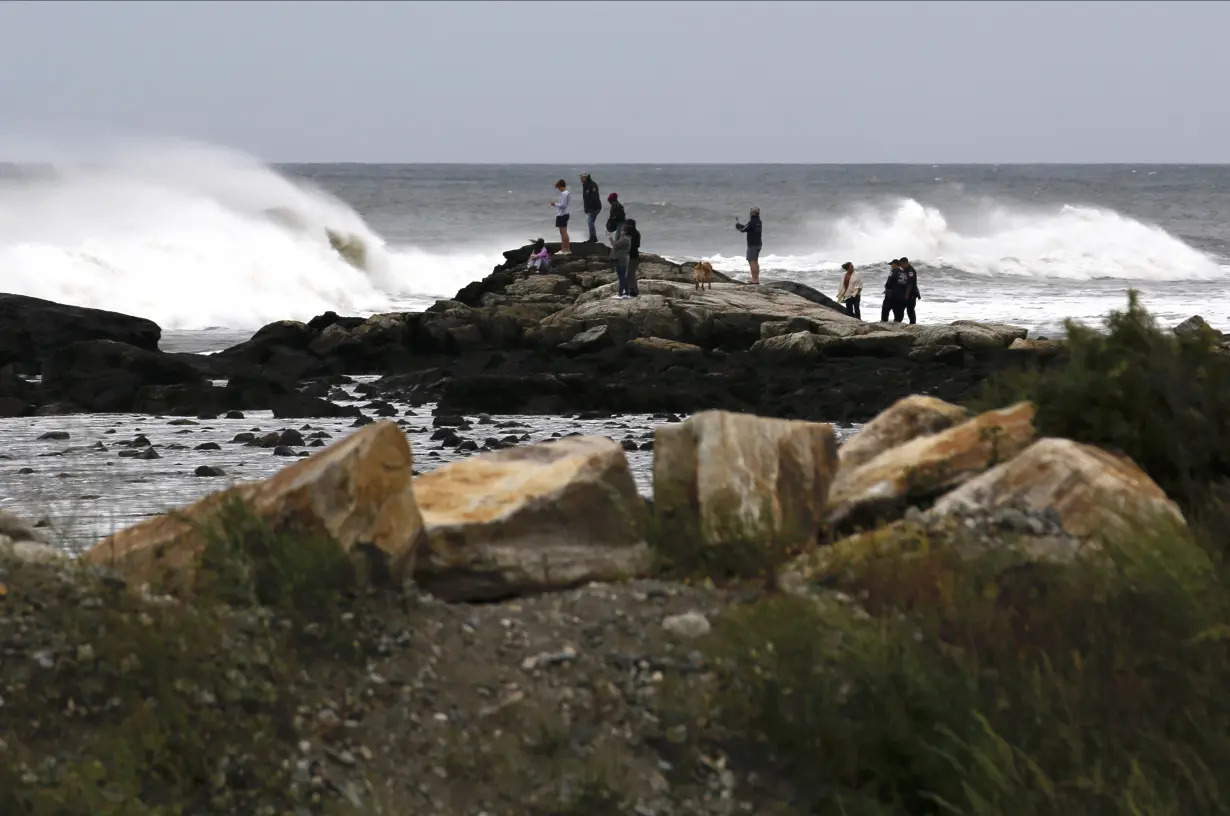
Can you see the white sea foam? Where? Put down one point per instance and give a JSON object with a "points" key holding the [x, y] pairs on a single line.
{"points": [[1069, 243], [194, 237]]}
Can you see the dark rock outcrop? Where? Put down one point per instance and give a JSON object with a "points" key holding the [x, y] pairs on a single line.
{"points": [[31, 329], [107, 376]]}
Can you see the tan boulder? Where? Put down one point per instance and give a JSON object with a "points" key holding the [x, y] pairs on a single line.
{"points": [[358, 490], [531, 519], [906, 419], [659, 344], [724, 481], [928, 466], [1092, 492]]}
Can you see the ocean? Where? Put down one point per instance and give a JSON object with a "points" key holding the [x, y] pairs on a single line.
{"points": [[212, 244]]}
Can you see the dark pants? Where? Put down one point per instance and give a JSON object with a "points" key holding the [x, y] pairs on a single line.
{"points": [[909, 309], [621, 271], [592, 217], [631, 284], [884, 309], [898, 311], [852, 307]]}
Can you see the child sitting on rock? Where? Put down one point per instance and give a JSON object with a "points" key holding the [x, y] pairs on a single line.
{"points": [[540, 259]]}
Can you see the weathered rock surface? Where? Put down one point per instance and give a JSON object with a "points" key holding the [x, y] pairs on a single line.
{"points": [[1093, 492], [1195, 325], [31, 329], [733, 477], [906, 419], [882, 488], [530, 519], [358, 490], [107, 376]]}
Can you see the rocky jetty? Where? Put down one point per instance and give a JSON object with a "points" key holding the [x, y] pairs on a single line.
{"points": [[516, 342]]}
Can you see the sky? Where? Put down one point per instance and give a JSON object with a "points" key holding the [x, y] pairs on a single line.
{"points": [[624, 82]]}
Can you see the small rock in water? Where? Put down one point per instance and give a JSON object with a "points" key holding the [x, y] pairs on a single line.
{"points": [[628, 445], [290, 438], [183, 422], [317, 443], [140, 442], [361, 421], [409, 412], [149, 453], [283, 450], [234, 414], [208, 446], [688, 625], [98, 446], [130, 454], [205, 415], [25, 471], [246, 436], [467, 445], [485, 419], [209, 470], [55, 435]]}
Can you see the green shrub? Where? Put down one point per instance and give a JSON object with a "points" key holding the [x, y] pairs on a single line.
{"points": [[970, 684], [1136, 388]]}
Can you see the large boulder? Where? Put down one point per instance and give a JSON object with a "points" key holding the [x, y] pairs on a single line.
{"points": [[906, 419], [807, 293], [727, 315], [1094, 493], [358, 490], [531, 519], [805, 345], [31, 329], [106, 376], [883, 487], [727, 483]]}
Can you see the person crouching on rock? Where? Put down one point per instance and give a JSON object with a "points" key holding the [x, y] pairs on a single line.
{"points": [[614, 220], [896, 293], [620, 249], [540, 259], [753, 230], [851, 292], [561, 216], [913, 296], [634, 256]]}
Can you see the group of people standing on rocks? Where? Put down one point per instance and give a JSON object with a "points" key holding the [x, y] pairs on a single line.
{"points": [[900, 291], [622, 235]]}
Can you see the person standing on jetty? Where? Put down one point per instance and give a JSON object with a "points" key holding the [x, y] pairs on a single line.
{"points": [[591, 202], [621, 249], [752, 229], [851, 292], [561, 216], [615, 220], [913, 295], [634, 256], [896, 292]]}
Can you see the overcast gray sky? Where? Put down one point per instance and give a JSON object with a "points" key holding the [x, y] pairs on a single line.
{"points": [[599, 82]]}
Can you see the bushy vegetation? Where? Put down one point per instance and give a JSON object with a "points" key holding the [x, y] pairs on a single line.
{"points": [[1162, 399], [945, 676], [132, 708]]}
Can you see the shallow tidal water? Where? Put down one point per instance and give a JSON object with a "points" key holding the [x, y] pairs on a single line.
{"points": [[83, 490]]}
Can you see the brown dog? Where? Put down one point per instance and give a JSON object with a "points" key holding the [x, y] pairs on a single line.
{"points": [[702, 273]]}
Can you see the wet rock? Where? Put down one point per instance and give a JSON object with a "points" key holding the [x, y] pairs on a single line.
{"points": [[282, 450], [57, 436], [290, 437], [297, 406], [32, 329], [106, 376], [148, 454], [1195, 325], [234, 415], [883, 487], [719, 478], [531, 519], [362, 421], [209, 470], [593, 339], [208, 446], [906, 419], [358, 490]]}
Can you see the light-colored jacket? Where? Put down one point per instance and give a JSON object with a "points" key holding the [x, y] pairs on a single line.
{"points": [[853, 289]]}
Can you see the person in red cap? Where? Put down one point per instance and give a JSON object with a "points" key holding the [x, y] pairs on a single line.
{"points": [[615, 219]]}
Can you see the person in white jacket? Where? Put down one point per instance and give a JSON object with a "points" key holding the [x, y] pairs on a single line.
{"points": [[851, 292]]}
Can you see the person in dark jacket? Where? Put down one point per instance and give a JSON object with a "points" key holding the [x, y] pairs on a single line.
{"points": [[913, 296], [620, 247], [615, 219], [896, 292], [591, 202], [634, 256], [753, 230]]}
